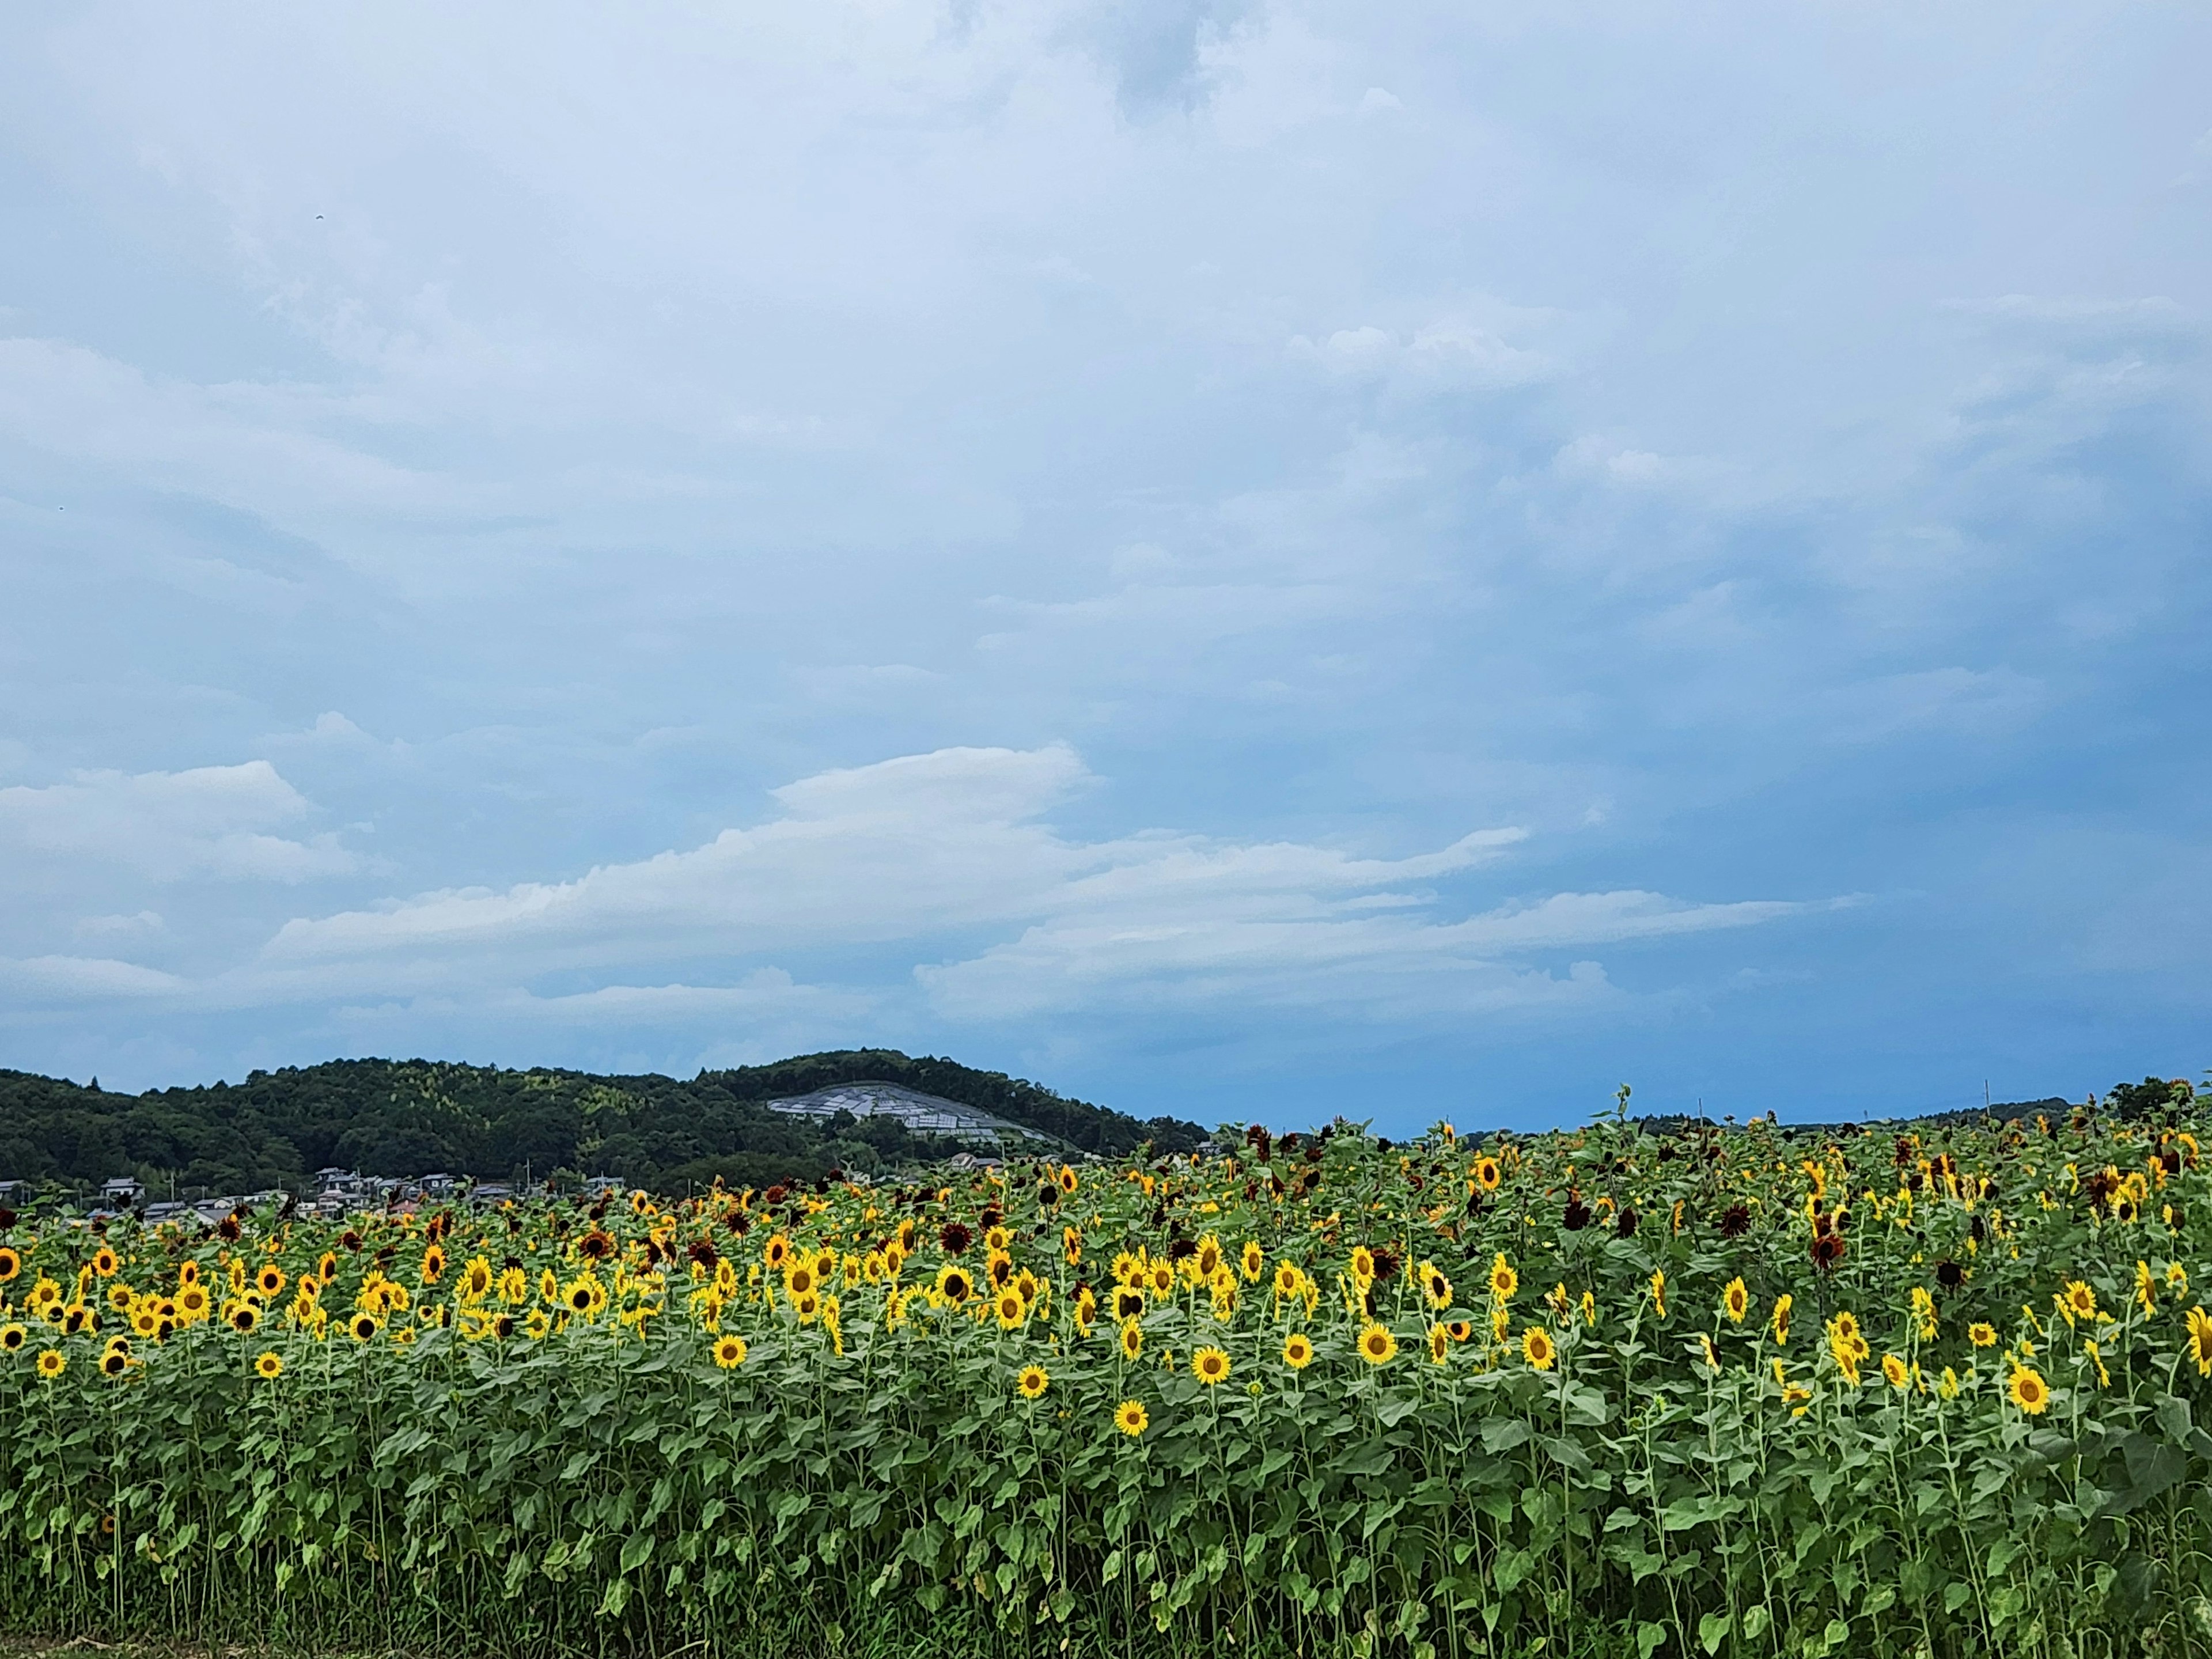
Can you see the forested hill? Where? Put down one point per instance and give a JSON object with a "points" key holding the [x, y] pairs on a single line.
{"points": [[411, 1117]]}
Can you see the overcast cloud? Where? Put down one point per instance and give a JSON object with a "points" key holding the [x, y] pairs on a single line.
{"points": [[1234, 558]]}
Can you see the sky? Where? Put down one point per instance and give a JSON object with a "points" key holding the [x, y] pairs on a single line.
{"points": [[1242, 559]]}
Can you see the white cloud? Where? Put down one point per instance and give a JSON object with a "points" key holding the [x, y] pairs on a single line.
{"points": [[52, 979], [941, 847], [1441, 356], [1289, 943], [211, 821], [141, 922]]}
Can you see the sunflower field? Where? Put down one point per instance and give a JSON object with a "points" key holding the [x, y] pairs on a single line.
{"points": [[1733, 1392]]}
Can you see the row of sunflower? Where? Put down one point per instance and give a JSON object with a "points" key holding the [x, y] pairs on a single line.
{"points": [[1442, 1397]]}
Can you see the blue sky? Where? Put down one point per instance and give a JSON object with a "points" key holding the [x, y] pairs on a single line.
{"points": [[1246, 560]]}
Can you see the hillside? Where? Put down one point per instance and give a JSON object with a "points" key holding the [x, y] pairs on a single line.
{"points": [[410, 1117]]}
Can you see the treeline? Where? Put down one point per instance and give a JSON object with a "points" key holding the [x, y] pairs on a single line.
{"points": [[413, 1117]]}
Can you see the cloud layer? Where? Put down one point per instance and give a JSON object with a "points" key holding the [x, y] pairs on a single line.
{"points": [[457, 470]]}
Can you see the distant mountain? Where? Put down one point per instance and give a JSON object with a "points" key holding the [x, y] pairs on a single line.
{"points": [[415, 1117]]}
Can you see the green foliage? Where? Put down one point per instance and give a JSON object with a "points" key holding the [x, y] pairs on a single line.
{"points": [[411, 1117], [1658, 1466]]}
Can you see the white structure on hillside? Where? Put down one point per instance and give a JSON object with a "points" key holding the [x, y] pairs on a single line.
{"points": [[923, 1113]]}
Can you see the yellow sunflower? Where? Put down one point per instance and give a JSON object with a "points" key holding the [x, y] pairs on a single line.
{"points": [[1435, 1289], [729, 1352], [1033, 1381], [1130, 1417], [1210, 1367], [1133, 1340], [2200, 1340], [11, 1264], [1010, 1309], [1376, 1346], [1982, 1333], [51, 1364], [1503, 1281], [363, 1327], [270, 1281], [104, 1262], [2080, 1300], [1439, 1342], [1297, 1350], [1735, 1301], [1896, 1370], [1487, 1174], [270, 1365], [1252, 1260], [2028, 1391], [13, 1337], [1537, 1349], [954, 1285]]}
